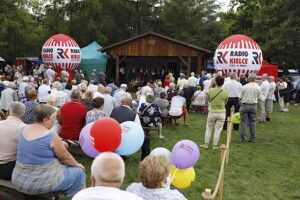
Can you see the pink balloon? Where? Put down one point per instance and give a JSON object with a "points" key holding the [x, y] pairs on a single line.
{"points": [[86, 142]]}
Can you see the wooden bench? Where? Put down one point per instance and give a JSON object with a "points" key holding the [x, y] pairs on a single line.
{"points": [[170, 120], [16, 195]]}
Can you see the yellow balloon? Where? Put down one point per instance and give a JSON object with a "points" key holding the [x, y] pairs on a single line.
{"points": [[236, 118], [183, 178]]}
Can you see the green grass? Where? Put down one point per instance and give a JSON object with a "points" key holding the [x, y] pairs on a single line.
{"points": [[267, 169]]}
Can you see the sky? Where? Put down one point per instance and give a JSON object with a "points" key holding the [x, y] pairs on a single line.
{"points": [[225, 3]]}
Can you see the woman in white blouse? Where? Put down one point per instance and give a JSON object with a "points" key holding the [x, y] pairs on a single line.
{"points": [[153, 174]]}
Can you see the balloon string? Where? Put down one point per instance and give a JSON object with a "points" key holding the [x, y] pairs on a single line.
{"points": [[173, 176]]}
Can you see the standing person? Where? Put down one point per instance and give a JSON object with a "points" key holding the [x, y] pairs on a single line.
{"points": [[193, 82], [233, 87], [72, 117], [8, 95], [107, 175], [22, 89], [10, 130], [217, 98], [64, 75], [264, 87], [49, 74], [182, 82], [270, 98], [93, 76], [207, 83], [43, 91], [243, 79], [249, 99], [102, 77]]}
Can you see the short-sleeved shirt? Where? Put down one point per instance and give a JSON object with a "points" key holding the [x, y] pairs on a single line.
{"points": [[217, 98], [177, 104], [72, 119], [94, 115]]}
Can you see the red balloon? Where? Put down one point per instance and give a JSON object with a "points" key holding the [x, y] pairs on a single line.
{"points": [[106, 133]]}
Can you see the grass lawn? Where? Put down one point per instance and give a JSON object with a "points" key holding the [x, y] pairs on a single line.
{"points": [[267, 169]]}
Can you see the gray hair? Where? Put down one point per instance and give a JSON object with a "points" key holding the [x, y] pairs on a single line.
{"points": [[232, 75], [56, 85], [17, 108], [252, 77], [76, 94], [43, 111], [51, 98], [108, 90], [149, 98], [242, 75], [127, 99], [108, 169]]}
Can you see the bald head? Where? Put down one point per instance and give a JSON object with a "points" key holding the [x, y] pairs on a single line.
{"points": [[108, 169]]}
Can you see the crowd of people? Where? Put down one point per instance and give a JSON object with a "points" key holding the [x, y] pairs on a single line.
{"points": [[39, 112]]}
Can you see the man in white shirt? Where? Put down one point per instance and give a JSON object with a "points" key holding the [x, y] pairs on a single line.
{"points": [[270, 98], [193, 82], [8, 95], [233, 87], [49, 74], [178, 107], [207, 83], [264, 86], [43, 91], [107, 173], [249, 96]]}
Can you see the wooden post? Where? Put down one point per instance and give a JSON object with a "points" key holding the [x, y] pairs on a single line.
{"points": [[117, 70], [200, 64], [189, 69], [223, 149], [228, 139], [207, 194]]}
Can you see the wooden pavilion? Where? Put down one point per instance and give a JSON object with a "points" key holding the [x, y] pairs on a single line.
{"points": [[153, 48]]}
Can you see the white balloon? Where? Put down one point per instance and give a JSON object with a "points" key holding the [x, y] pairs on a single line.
{"points": [[161, 151]]}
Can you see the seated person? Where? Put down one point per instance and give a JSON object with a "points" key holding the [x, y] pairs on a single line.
{"points": [[178, 107], [43, 164], [153, 174], [163, 104], [10, 130], [150, 114], [199, 99], [72, 117], [107, 174], [97, 112], [171, 92], [124, 113]]}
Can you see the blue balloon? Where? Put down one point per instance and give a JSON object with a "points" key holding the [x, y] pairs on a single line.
{"points": [[132, 138]]}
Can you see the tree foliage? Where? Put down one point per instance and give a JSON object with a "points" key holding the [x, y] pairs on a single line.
{"points": [[26, 24]]}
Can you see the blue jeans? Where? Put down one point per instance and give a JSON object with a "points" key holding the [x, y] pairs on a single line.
{"points": [[248, 117]]}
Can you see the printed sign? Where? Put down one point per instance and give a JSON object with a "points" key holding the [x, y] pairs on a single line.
{"points": [[61, 51], [238, 53]]}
